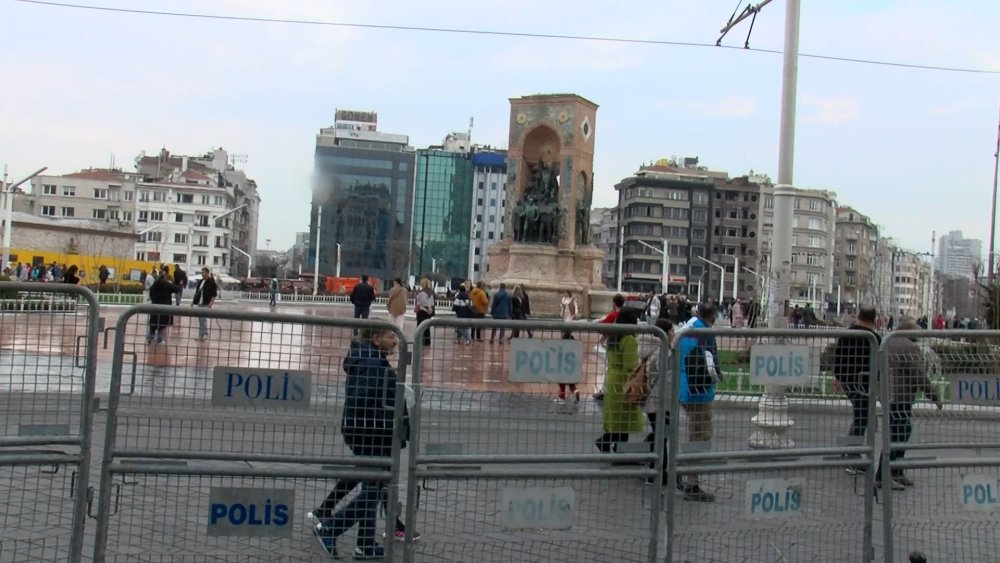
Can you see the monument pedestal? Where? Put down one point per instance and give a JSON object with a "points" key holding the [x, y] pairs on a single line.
{"points": [[546, 272]]}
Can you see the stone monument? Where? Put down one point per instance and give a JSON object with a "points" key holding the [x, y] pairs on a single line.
{"points": [[550, 185]]}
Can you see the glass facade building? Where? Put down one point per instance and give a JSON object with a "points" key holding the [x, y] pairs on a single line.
{"points": [[442, 208], [364, 182]]}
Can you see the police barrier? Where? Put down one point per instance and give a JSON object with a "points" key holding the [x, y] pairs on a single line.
{"points": [[48, 358], [230, 434], [944, 463], [501, 469], [763, 478]]}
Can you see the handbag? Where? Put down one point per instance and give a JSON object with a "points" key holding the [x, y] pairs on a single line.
{"points": [[637, 385]]}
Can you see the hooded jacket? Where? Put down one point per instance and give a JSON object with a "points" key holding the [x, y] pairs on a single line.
{"points": [[697, 388], [369, 401]]}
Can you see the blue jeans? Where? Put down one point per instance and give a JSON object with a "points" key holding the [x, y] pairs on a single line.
{"points": [[202, 325], [363, 511]]}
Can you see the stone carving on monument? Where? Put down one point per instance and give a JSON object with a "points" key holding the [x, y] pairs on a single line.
{"points": [[545, 245]]}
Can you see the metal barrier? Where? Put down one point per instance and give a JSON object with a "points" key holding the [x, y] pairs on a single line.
{"points": [[772, 487], [47, 380], [225, 440], [499, 472], [949, 470]]}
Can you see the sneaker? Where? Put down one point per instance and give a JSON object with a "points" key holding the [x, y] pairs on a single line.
{"points": [[903, 480], [325, 539], [894, 484], [696, 494], [400, 535], [576, 398], [854, 471], [559, 401], [369, 553]]}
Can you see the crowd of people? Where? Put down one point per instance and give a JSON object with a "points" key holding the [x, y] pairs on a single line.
{"points": [[164, 288], [54, 272]]}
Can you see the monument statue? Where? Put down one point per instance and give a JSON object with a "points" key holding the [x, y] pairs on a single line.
{"points": [[536, 215]]}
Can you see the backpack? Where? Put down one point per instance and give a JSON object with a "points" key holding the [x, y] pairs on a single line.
{"points": [[701, 375], [637, 385]]}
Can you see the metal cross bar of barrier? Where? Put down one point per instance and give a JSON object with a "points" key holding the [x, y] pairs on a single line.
{"points": [[504, 425], [793, 499], [942, 389], [234, 426], [47, 381]]}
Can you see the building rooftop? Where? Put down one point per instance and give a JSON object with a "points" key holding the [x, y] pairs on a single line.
{"points": [[98, 174]]}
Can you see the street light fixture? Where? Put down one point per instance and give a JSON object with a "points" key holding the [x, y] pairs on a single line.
{"points": [[215, 222], [722, 279], [664, 262], [7, 191], [249, 259]]}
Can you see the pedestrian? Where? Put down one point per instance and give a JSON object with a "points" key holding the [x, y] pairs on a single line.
{"points": [[480, 302], [180, 282], [652, 308], [519, 310], [649, 350], [808, 315], [204, 295], [161, 292], [619, 416], [796, 316], [362, 296], [71, 276], [424, 306], [617, 302], [102, 275], [890, 324], [852, 364], [698, 375], [500, 310], [367, 426], [396, 303], [272, 290], [568, 310], [152, 277], [463, 310], [907, 376]]}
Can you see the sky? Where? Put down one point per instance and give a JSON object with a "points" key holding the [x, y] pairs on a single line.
{"points": [[911, 148]]}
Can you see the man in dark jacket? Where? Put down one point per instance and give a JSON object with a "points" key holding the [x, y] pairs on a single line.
{"points": [[180, 281], [852, 357], [362, 297], [160, 293], [204, 295], [367, 426], [500, 311]]}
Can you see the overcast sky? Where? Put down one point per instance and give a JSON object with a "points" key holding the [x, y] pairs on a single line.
{"points": [[911, 148]]}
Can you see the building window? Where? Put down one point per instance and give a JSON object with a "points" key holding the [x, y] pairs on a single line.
{"points": [[699, 215], [815, 242], [100, 214], [219, 242], [185, 198], [816, 224], [769, 202], [813, 260], [479, 218], [700, 198], [68, 212], [100, 193], [49, 210], [851, 248], [113, 214], [143, 216], [479, 201], [201, 220], [850, 264], [178, 217], [151, 236], [155, 215], [126, 215], [180, 238], [48, 189], [180, 259], [219, 200], [144, 195], [815, 205], [159, 196], [201, 241], [140, 256], [202, 260], [798, 203], [206, 200], [69, 191]]}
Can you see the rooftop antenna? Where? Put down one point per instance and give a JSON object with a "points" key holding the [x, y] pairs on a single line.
{"points": [[749, 12]]}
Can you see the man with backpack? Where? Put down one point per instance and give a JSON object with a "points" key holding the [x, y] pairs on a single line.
{"points": [[272, 291], [698, 375]]}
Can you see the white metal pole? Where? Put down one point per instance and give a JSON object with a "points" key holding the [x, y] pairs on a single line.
{"points": [[736, 275], [722, 285], [338, 261], [771, 425], [319, 227], [621, 255], [8, 216], [665, 266], [930, 314], [838, 300]]}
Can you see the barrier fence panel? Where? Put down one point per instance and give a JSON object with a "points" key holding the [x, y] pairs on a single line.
{"points": [[759, 480], [48, 351], [945, 461], [227, 443], [507, 465]]}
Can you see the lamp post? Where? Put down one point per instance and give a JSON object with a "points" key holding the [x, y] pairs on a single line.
{"points": [[664, 262], [722, 279], [736, 275], [249, 259], [338, 260], [7, 191], [319, 226]]}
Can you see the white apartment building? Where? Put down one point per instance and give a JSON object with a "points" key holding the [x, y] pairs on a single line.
{"points": [[489, 196], [958, 256], [604, 235], [101, 195], [814, 220]]}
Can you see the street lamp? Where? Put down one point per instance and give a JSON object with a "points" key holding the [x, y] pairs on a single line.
{"points": [[7, 190], [338, 260], [249, 259], [722, 279], [736, 274], [664, 262], [319, 227]]}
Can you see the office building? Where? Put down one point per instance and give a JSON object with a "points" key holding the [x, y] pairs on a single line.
{"points": [[489, 200], [959, 256], [362, 199], [604, 235], [814, 217], [442, 207], [735, 225], [855, 267]]}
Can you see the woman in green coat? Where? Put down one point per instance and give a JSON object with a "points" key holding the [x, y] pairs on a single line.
{"points": [[620, 417]]}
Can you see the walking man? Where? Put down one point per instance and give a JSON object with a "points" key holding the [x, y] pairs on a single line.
{"points": [[362, 297], [500, 311], [272, 290], [699, 374], [180, 282], [852, 369], [397, 303], [204, 295]]}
